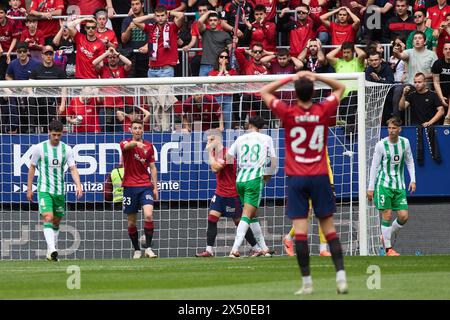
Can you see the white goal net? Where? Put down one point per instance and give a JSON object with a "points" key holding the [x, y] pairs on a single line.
{"points": [[97, 114]]}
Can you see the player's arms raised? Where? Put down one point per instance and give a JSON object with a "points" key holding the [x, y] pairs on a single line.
{"points": [[76, 179]]}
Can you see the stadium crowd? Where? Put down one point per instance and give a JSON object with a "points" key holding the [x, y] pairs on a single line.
{"points": [[272, 37]]}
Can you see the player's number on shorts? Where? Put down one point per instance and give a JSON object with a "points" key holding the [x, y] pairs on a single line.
{"points": [[315, 142], [127, 201], [254, 153]]}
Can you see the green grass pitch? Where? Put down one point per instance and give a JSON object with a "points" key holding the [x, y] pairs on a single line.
{"points": [[405, 277]]}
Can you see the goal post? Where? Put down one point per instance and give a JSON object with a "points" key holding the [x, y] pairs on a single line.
{"points": [[93, 229]]}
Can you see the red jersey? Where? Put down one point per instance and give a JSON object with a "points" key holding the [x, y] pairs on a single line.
{"points": [[7, 33], [34, 40], [266, 34], [87, 7], [87, 51], [86, 109], [20, 24], [165, 56], [136, 162], [215, 73], [437, 16], [107, 35], [317, 10], [226, 178], [248, 67], [271, 7], [306, 133], [302, 33], [341, 33], [48, 27], [108, 73], [443, 38], [207, 111]]}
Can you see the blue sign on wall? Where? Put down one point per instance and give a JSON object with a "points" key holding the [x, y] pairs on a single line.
{"points": [[183, 171]]}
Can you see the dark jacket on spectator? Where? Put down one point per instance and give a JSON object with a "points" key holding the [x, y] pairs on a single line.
{"points": [[385, 73]]}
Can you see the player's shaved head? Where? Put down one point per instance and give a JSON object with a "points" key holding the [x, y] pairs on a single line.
{"points": [[304, 88]]}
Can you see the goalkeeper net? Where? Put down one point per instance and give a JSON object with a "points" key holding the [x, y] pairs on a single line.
{"points": [[177, 113]]}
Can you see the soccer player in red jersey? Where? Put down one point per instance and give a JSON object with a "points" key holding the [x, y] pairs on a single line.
{"points": [[138, 190], [306, 132], [226, 199]]}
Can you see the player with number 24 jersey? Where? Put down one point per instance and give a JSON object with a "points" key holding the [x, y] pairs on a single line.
{"points": [[306, 131]]}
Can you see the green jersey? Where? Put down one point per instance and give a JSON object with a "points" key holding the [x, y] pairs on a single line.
{"points": [[51, 163], [388, 164], [252, 151]]}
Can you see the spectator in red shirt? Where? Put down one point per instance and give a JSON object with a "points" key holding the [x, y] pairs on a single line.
{"points": [[443, 35], [271, 8], [204, 109], [252, 103], [103, 33], [302, 29], [88, 46], [17, 10], [283, 63], [263, 31], [112, 69], [319, 8], [82, 112], [163, 35], [33, 37], [45, 10], [342, 31], [8, 40], [436, 14], [87, 7], [131, 113]]}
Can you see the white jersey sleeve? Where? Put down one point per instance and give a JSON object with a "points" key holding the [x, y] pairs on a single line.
{"points": [[233, 149], [272, 154], [376, 161], [410, 162], [35, 154], [70, 157]]}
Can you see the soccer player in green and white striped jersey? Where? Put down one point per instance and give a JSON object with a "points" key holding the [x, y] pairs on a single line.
{"points": [[252, 150], [51, 157], [387, 181]]}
